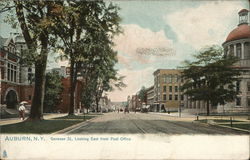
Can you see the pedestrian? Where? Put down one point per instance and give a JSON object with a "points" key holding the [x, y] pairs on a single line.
{"points": [[22, 111]]}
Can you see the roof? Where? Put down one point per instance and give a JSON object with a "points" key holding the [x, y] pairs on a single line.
{"points": [[241, 32], [243, 10], [2, 41]]}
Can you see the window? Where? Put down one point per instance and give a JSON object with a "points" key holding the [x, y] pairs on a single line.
{"points": [[237, 86], [170, 78], [167, 78], [170, 97], [164, 88], [12, 73], [175, 78], [164, 97], [238, 50], [247, 50], [164, 78], [176, 97], [248, 86], [182, 97], [231, 50], [170, 88], [29, 97], [238, 101], [176, 88], [248, 102], [30, 75]]}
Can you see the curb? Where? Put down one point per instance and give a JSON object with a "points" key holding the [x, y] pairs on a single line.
{"points": [[65, 130], [238, 129]]}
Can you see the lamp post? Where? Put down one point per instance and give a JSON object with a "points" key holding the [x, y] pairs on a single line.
{"points": [[179, 97]]}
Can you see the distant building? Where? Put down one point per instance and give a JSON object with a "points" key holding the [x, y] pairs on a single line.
{"points": [[15, 77], [61, 71], [167, 95], [136, 102], [63, 107], [105, 104], [150, 97]]}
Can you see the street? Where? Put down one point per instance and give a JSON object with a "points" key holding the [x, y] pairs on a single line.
{"points": [[141, 123]]}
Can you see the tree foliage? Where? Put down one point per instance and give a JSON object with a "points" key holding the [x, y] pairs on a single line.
{"points": [[86, 32], [211, 77], [142, 94], [53, 91], [83, 30], [33, 18]]}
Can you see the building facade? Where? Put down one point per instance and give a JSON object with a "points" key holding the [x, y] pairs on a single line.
{"points": [[150, 97], [237, 44], [167, 94], [15, 78]]}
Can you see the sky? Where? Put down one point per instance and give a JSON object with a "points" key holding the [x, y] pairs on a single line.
{"points": [[161, 34]]}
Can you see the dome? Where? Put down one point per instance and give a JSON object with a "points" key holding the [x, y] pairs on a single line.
{"points": [[243, 10], [242, 31]]}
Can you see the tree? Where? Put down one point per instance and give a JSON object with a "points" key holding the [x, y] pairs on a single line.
{"points": [[53, 91], [33, 18], [143, 94], [87, 29], [211, 77]]}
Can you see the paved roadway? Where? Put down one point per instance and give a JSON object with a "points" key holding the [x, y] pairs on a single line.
{"points": [[141, 123]]}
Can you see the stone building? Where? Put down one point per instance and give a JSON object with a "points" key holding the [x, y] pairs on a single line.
{"points": [[236, 44], [167, 94]]}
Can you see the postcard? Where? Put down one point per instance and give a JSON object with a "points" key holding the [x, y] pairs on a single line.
{"points": [[132, 79]]}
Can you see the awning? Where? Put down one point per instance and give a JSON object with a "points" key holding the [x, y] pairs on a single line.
{"points": [[146, 106]]}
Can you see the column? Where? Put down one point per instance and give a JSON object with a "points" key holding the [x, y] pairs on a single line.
{"points": [[5, 69], [242, 51], [235, 50]]}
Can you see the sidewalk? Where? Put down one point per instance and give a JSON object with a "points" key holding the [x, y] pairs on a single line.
{"points": [[221, 121], [192, 117], [175, 116], [18, 120]]}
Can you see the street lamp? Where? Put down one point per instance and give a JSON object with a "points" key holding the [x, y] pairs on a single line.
{"points": [[179, 97]]}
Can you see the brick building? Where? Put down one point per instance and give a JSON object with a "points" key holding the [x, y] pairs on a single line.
{"points": [[15, 78], [64, 105]]}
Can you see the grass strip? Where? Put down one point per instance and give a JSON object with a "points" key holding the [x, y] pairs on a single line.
{"points": [[44, 126], [240, 126], [218, 120]]}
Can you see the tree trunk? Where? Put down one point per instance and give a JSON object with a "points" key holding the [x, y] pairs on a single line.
{"points": [[72, 87], [97, 105], [208, 111], [36, 112]]}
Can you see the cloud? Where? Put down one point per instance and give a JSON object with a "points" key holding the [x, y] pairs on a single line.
{"points": [[206, 24], [135, 79], [140, 44]]}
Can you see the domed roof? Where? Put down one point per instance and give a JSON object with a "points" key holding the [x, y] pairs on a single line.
{"points": [[242, 31], [243, 10]]}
